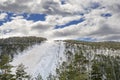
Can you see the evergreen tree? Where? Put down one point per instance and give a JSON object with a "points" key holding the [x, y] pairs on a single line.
{"points": [[39, 77], [5, 68], [51, 77], [20, 73]]}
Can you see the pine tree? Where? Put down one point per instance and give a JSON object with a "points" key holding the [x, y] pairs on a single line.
{"points": [[51, 77], [20, 73], [5, 68], [39, 77]]}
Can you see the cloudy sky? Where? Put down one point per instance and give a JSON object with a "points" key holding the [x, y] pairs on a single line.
{"points": [[92, 20]]}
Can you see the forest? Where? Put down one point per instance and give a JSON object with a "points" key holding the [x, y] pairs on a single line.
{"points": [[84, 60]]}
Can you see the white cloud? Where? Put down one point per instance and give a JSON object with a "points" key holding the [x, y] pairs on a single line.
{"points": [[22, 27], [94, 26], [2, 16], [17, 26], [61, 20], [17, 17]]}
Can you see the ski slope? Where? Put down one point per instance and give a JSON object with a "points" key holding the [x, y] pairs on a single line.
{"points": [[41, 59]]}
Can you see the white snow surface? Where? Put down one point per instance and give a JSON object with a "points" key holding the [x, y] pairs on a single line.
{"points": [[41, 59]]}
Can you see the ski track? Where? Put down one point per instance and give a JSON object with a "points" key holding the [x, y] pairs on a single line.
{"points": [[41, 59]]}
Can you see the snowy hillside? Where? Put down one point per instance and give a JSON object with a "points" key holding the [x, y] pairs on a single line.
{"points": [[41, 58], [70, 60]]}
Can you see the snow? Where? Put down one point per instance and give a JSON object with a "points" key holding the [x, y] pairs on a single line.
{"points": [[42, 59]]}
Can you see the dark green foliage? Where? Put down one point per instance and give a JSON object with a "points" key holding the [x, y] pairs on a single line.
{"points": [[9, 47], [22, 40], [17, 44], [39, 77], [20, 73], [51, 77], [5, 68], [75, 70], [97, 45], [96, 73], [104, 67], [85, 63]]}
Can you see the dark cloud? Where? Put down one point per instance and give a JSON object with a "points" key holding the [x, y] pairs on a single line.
{"points": [[105, 30], [41, 27], [20, 6], [53, 8], [115, 8], [64, 33], [112, 38], [17, 6]]}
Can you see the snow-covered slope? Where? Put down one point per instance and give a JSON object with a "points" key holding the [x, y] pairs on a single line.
{"points": [[43, 58], [96, 59]]}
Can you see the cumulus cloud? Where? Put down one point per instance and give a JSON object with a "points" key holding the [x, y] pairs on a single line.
{"points": [[2, 16], [95, 26], [51, 7], [19, 26]]}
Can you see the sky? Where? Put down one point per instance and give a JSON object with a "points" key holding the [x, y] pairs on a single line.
{"points": [[90, 20]]}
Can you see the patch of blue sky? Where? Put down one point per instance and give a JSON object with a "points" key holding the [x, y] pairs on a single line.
{"points": [[27, 16], [106, 15], [7, 19], [1, 23], [63, 2], [74, 22], [93, 5], [37, 17], [10, 14], [33, 16], [89, 39]]}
